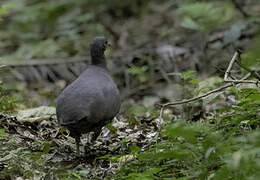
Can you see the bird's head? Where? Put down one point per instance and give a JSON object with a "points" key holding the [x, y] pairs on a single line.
{"points": [[98, 47]]}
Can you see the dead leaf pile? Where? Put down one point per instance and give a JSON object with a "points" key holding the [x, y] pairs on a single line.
{"points": [[37, 130]]}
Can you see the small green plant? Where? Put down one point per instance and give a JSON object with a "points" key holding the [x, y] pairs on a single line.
{"points": [[140, 72], [251, 59], [4, 9], [7, 102]]}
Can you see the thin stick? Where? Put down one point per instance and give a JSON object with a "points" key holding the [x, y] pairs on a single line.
{"points": [[246, 76], [254, 73], [230, 65], [243, 81], [240, 9], [161, 118], [44, 62], [231, 83], [197, 97]]}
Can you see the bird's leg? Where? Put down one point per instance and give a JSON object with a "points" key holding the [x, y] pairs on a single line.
{"points": [[97, 132], [77, 139]]}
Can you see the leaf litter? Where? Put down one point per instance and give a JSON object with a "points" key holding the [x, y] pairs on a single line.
{"points": [[33, 146]]}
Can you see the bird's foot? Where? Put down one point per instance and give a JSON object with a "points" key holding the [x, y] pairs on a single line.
{"points": [[87, 149]]}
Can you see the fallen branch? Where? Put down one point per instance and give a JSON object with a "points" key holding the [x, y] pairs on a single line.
{"points": [[232, 82], [243, 80], [43, 62], [197, 97], [49, 70]]}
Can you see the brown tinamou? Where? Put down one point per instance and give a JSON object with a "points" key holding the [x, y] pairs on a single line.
{"points": [[92, 100]]}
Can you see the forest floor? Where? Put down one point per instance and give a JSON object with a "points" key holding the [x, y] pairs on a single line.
{"points": [[189, 110]]}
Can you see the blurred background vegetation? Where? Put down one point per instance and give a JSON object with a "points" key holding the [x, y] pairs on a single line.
{"points": [[162, 51], [150, 38]]}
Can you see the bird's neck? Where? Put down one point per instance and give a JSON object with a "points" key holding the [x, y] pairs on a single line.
{"points": [[99, 61]]}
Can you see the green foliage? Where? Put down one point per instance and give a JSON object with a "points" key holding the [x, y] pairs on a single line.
{"points": [[122, 9], [2, 132], [251, 59], [224, 147], [7, 103], [140, 72], [46, 147], [188, 77], [204, 16], [243, 163], [29, 162], [56, 25], [147, 175], [4, 9], [64, 27], [111, 128], [227, 149], [137, 111], [134, 149], [76, 175], [21, 161], [246, 113]]}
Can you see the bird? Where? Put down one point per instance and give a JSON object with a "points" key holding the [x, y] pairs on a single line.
{"points": [[92, 100]]}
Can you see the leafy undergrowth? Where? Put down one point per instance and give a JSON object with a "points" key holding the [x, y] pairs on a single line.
{"points": [[226, 146], [221, 145], [217, 139]]}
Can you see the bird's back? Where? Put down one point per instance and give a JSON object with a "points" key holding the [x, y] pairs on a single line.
{"points": [[93, 96]]}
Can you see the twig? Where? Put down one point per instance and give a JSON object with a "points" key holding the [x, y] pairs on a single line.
{"points": [[163, 106], [230, 65], [43, 62], [254, 73], [243, 80], [197, 97], [231, 82], [240, 9], [246, 76], [161, 118]]}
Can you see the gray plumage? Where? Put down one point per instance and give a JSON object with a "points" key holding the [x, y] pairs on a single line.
{"points": [[92, 100]]}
